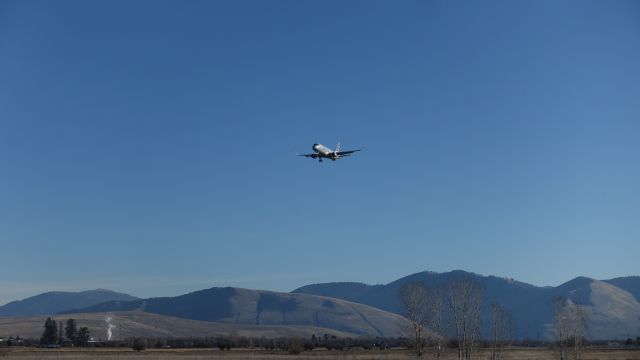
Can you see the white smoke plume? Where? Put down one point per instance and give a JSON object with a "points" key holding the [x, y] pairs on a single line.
{"points": [[110, 327]]}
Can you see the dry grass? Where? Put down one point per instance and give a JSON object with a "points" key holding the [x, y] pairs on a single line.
{"points": [[204, 354], [142, 324]]}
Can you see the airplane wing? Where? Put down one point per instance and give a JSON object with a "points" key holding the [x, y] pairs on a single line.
{"points": [[347, 153], [309, 155]]}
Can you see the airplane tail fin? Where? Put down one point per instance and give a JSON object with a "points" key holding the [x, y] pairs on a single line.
{"points": [[338, 147]]}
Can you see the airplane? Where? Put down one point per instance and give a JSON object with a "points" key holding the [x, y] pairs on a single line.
{"points": [[323, 152]]}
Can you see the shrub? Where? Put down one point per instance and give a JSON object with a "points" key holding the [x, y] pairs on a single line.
{"points": [[139, 344], [295, 346]]}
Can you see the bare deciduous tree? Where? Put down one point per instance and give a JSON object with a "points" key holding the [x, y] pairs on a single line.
{"points": [[580, 329], [561, 326], [414, 297], [501, 329], [464, 300], [437, 320], [570, 326]]}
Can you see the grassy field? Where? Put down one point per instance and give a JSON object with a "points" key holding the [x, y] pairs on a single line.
{"points": [[202, 354]]}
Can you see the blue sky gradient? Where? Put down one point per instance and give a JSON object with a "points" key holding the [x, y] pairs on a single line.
{"points": [[149, 146]]}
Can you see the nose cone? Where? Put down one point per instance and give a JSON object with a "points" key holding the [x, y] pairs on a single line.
{"points": [[315, 146]]}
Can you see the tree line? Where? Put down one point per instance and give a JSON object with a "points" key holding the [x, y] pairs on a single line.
{"points": [[292, 345], [450, 316], [55, 334]]}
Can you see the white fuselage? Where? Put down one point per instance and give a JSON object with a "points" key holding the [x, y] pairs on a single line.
{"points": [[321, 149]]}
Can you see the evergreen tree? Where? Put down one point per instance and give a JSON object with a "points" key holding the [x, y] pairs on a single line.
{"points": [[50, 334], [71, 330], [83, 337]]}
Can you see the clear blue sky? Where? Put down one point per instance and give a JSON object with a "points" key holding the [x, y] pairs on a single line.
{"points": [[149, 146]]}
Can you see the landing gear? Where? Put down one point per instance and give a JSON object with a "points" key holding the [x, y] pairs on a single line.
{"points": [[320, 159]]}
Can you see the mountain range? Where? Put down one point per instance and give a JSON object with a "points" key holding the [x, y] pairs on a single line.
{"points": [[343, 308], [258, 307], [614, 304]]}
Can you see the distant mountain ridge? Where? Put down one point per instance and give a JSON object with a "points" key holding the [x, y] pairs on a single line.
{"points": [[352, 308], [613, 303], [258, 307], [53, 302], [628, 283]]}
